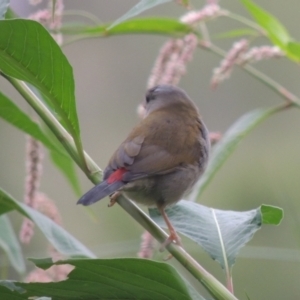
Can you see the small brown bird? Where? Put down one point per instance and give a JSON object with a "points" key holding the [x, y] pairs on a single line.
{"points": [[162, 157]]}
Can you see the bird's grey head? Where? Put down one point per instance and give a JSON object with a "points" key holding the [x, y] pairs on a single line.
{"points": [[162, 96]]}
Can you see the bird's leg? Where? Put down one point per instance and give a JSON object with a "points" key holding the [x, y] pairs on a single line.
{"points": [[113, 198], [173, 237]]}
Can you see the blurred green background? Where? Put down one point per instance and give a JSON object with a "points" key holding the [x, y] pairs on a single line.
{"points": [[111, 76]]}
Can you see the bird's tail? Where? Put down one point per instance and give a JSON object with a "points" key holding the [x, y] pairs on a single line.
{"points": [[99, 191]]}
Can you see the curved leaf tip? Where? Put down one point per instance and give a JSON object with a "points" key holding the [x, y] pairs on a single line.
{"points": [[271, 214]]}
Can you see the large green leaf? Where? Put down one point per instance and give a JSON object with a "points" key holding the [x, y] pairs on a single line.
{"points": [[137, 9], [16, 117], [124, 278], [28, 52], [220, 233], [223, 149], [10, 244], [274, 29], [165, 26], [63, 241], [3, 8]]}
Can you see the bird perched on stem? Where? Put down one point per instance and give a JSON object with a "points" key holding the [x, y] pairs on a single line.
{"points": [[162, 157]]}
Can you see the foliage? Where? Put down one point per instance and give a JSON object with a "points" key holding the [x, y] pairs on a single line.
{"points": [[36, 66]]}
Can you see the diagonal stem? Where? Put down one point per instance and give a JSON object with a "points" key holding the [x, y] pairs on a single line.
{"points": [[213, 286], [275, 86]]}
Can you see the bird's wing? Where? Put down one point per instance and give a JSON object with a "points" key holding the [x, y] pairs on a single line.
{"points": [[144, 155]]}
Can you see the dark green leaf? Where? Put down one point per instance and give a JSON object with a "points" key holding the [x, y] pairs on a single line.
{"points": [[16, 117], [126, 278], [10, 244], [165, 26], [137, 9], [223, 149], [220, 233], [28, 52], [274, 29], [63, 241], [271, 214], [3, 8], [9, 290]]}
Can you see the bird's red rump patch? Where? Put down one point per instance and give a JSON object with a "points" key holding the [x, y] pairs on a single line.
{"points": [[116, 176]]}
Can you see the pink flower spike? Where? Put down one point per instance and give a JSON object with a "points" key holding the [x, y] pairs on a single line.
{"points": [[259, 53], [226, 65], [209, 11], [147, 246]]}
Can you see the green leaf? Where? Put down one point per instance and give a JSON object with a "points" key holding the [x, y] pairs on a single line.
{"points": [[229, 142], [276, 32], [164, 26], [293, 49], [3, 8], [63, 241], [274, 29], [16, 117], [9, 290], [10, 14], [10, 245], [123, 278], [137, 9], [271, 214], [29, 53], [220, 233]]}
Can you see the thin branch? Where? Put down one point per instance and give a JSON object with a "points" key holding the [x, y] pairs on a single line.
{"points": [[275, 86], [93, 172], [213, 286], [244, 21]]}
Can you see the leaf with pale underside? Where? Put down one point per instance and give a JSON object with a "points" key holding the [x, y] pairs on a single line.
{"points": [[220, 233], [3, 8], [228, 143], [10, 244], [140, 7], [63, 241]]}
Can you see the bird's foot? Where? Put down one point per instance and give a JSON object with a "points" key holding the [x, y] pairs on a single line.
{"points": [[113, 198], [172, 238]]}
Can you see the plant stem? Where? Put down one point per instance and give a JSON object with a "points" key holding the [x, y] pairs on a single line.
{"points": [[216, 289], [229, 282], [275, 86], [94, 173], [213, 286], [244, 21]]}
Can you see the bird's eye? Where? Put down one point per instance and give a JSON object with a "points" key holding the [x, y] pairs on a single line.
{"points": [[150, 97]]}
